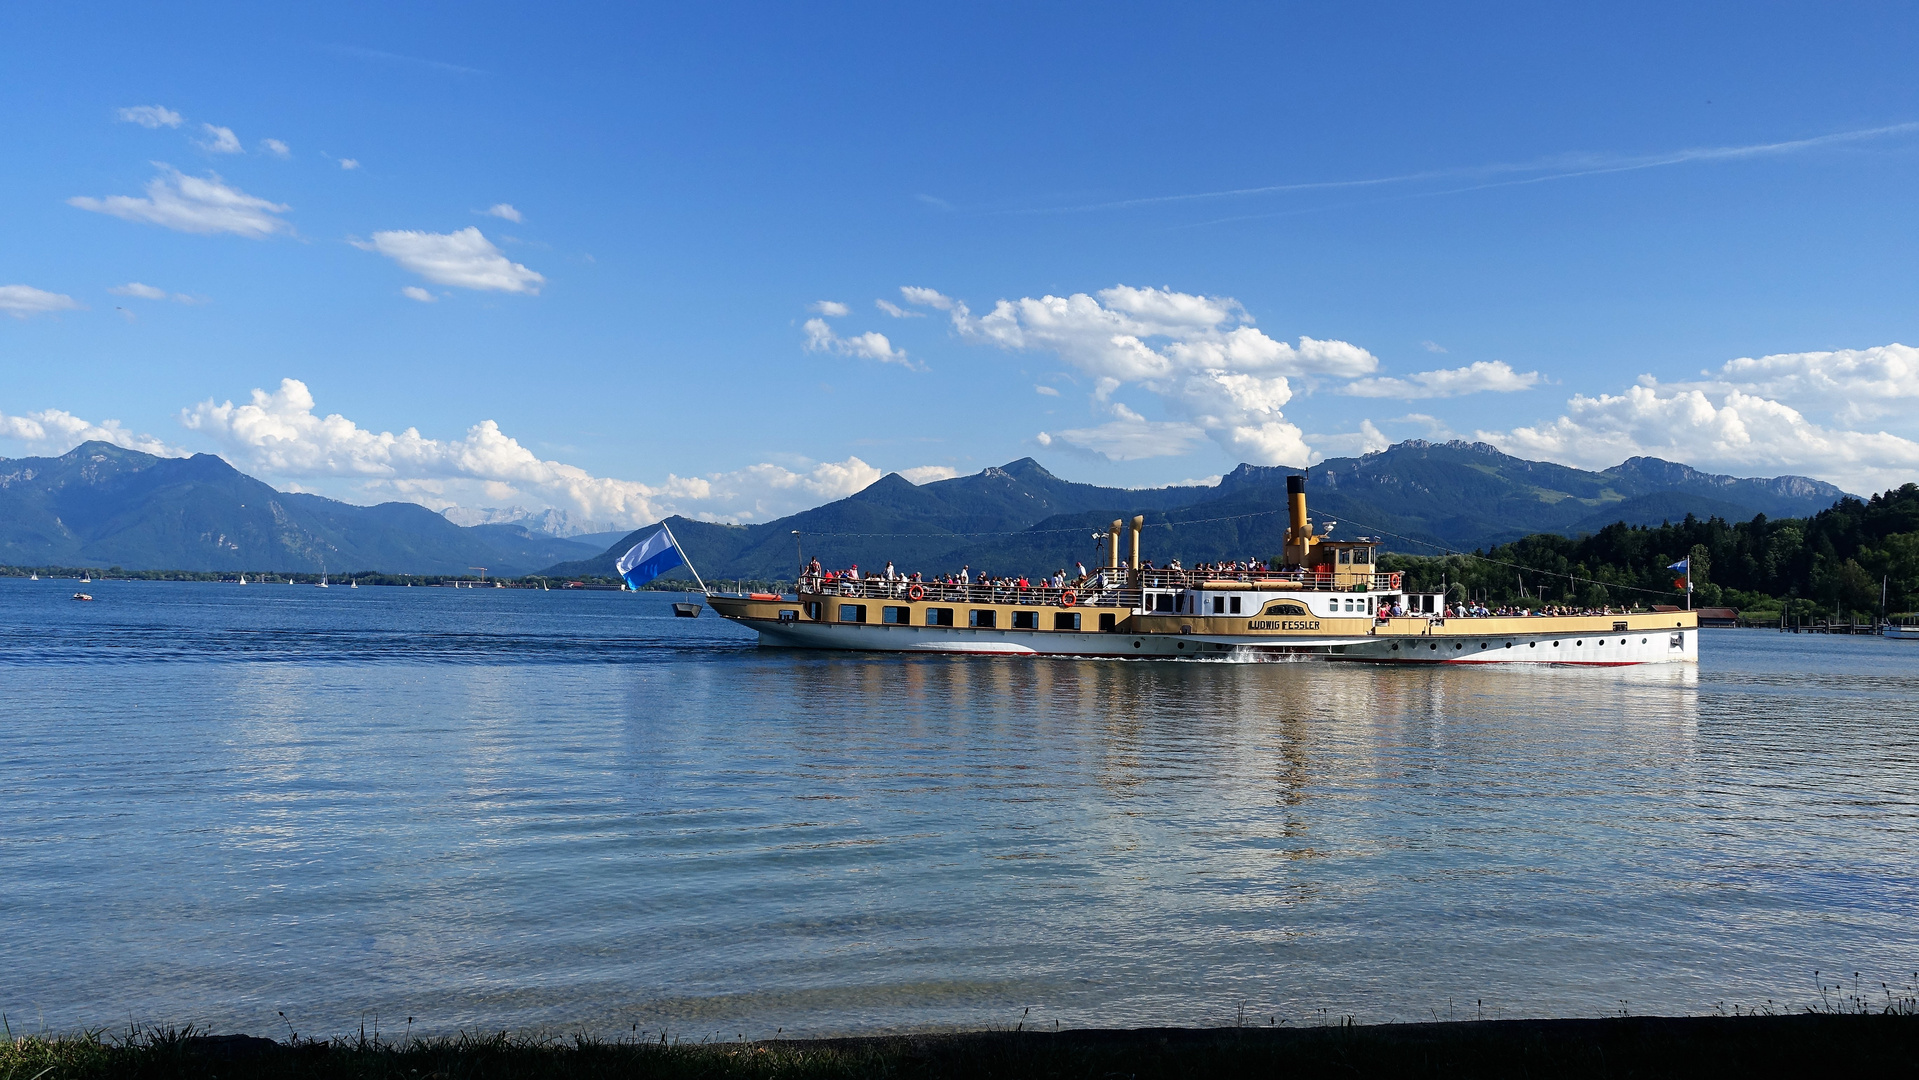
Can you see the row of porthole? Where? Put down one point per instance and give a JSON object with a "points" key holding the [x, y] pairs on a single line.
{"points": [[1529, 644]]}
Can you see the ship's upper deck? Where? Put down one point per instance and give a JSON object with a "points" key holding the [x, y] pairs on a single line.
{"points": [[1112, 587]]}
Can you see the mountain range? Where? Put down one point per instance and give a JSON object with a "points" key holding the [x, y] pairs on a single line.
{"points": [[101, 505], [1421, 497]]}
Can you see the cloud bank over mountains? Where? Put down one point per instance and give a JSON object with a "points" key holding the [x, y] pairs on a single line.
{"points": [[1741, 421], [278, 435], [1217, 376]]}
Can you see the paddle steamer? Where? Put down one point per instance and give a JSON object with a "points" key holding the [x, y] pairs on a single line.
{"points": [[1329, 602]]}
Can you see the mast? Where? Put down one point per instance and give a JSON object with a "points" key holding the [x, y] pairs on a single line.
{"points": [[704, 591]]}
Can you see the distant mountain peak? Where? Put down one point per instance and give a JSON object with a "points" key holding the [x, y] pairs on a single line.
{"points": [[1025, 469]]}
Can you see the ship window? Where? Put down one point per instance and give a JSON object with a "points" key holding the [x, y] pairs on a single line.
{"points": [[852, 612], [1026, 620], [1286, 607], [898, 616], [1234, 608], [1163, 602], [978, 617], [1219, 605], [1345, 556], [813, 611], [1362, 555], [939, 616], [1066, 620], [1108, 620]]}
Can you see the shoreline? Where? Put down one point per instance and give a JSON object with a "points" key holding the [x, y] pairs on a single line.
{"points": [[1887, 1040]]}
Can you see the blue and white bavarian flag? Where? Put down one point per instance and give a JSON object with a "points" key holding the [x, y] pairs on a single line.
{"points": [[650, 558], [1684, 565]]}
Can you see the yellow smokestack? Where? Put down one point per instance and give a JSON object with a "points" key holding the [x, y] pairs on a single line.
{"points": [[1299, 538], [1139, 523], [1112, 559]]}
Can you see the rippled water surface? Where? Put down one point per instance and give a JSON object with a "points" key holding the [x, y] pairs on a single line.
{"points": [[496, 808]]}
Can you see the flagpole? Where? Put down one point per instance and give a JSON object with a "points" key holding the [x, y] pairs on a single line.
{"points": [[704, 591]]}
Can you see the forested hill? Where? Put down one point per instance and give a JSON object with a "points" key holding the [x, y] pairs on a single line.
{"points": [[1019, 518], [1839, 557]]}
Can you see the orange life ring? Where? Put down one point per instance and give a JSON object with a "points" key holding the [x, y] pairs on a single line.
{"points": [[914, 592], [1393, 581], [1067, 599]]}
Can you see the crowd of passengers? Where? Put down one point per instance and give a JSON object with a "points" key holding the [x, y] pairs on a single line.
{"points": [[817, 576], [819, 579], [1476, 610]]}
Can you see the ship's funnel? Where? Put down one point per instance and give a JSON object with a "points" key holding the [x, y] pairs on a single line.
{"points": [[1139, 523], [1299, 538], [1112, 556]]}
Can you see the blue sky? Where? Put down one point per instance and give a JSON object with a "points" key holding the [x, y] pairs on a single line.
{"points": [[1690, 234]]}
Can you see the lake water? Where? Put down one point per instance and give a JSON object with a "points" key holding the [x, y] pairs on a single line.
{"points": [[565, 810]]}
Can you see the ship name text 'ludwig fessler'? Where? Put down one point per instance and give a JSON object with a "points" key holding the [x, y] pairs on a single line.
{"points": [[1325, 599]]}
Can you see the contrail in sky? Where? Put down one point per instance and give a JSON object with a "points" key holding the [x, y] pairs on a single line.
{"points": [[1561, 167]]}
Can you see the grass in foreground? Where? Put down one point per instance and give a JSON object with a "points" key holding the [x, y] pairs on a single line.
{"points": [[1808, 1044]]}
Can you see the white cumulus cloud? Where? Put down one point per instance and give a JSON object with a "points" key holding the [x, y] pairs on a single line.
{"points": [[897, 311], [1726, 431], [926, 474], [1856, 385], [1366, 440], [1483, 376], [503, 210], [1218, 374], [21, 301], [1128, 437], [414, 292], [55, 431], [349, 164], [832, 309], [220, 140], [464, 259], [151, 116], [280, 436], [276, 148], [144, 292], [194, 204], [871, 345]]}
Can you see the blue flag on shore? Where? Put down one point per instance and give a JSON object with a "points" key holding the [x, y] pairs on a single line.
{"points": [[1683, 566], [650, 558]]}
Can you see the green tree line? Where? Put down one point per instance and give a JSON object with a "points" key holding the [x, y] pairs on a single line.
{"points": [[1835, 561]]}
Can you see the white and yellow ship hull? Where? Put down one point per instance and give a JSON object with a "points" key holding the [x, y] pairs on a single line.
{"points": [[1608, 640]]}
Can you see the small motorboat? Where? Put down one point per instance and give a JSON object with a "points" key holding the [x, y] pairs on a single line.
{"points": [[683, 610], [82, 596]]}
